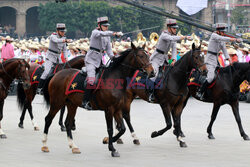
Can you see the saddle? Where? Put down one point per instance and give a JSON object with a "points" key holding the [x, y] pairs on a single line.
{"points": [[78, 82], [141, 81], [197, 79]]}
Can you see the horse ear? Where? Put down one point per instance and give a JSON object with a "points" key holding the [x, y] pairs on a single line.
{"points": [[193, 46], [143, 47], [133, 46]]}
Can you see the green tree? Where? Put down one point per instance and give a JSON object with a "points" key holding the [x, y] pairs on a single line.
{"points": [[238, 16], [82, 16]]}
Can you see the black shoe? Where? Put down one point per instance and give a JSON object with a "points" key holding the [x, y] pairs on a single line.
{"points": [[201, 91], [40, 87], [86, 105]]}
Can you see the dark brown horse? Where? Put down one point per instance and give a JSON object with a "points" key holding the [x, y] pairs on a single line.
{"points": [[171, 95], [225, 91], [103, 99], [10, 70], [26, 97]]}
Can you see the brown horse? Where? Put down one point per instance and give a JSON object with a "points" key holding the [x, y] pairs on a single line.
{"points": [[171, 95], [10, 70], [225, 91], [103, 99], [25, 97]]}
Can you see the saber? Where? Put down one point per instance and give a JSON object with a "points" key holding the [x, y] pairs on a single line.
{"points": [[141, 30]]}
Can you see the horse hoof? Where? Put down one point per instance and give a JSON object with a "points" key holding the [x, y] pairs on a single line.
{"points": [[63, 129], [183, 144], [115, 154], [211, 136], [3, 136], [76, 151], [73, 128], [119, 141], [154, 134], [36, 128], [136, 142], [20, 125], [45, 149], [245, 137], [182, 134], [105, 140]]}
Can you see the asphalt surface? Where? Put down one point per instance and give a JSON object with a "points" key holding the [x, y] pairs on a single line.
{"points": [[22, 148]]}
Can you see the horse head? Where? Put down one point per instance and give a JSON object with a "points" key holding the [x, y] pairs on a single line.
{"points": [[141, 59], [22, 73], [198, 60]]}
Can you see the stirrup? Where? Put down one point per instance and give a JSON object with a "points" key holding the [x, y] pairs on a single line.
{"points": [[86, 105], [39, 91], [200, 95], [151, 98]]}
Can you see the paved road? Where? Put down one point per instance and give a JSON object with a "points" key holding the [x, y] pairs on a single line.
{"points": [[23, 146]]}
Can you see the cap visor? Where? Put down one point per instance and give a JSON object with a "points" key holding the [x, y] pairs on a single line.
{"points": [[106, 24]]}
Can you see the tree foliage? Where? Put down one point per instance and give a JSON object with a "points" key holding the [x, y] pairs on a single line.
{"points": [[82, 16], [238, 16]]}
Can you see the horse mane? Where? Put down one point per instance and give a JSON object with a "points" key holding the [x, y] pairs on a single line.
{"points": [[181, 59], [235, 66], [9, 61], [118, 60]]}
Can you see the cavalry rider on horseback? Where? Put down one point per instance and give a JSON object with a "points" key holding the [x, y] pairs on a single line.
{"points": [[216, 43], [99, 42], [57, 44], [166, 40]]}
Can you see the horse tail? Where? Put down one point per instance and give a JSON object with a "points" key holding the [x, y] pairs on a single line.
{"points": [[46, 90], [21, 96]]}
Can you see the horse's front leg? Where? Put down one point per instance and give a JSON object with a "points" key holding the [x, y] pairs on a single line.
{"points": [[34, 123], [176, 113], [63, 129], [215, 111], [2, 134], [120, 125], [109, 122], [235, 108], [167, 116]]}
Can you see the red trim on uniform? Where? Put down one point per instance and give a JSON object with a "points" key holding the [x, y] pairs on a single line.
{"points": [[55, 69], [193, 84], [138, 84], [34, 82], [72, 91], [137, 71]]}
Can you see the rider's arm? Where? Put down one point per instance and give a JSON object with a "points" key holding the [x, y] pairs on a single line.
{"points": [[98, 33], [220, 38], [224, 50], [109, 50], [174, 51], [168, 37], [65, 52], [55, 39]]}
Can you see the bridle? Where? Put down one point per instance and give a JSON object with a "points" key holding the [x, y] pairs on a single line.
{"points": [[137, 62], [20, 78]]}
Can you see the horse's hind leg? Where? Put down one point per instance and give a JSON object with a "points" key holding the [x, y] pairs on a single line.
{"points": [[62, 111], [235, 108], [2, 134], [69, 123], [20, 124], [216, 108], [36, 128], [167, 116], [48, 120], [109, 122]]}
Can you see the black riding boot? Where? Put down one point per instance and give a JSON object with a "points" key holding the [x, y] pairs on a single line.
{"points": [[151, 91], [201, 91], [40, 86], [85, 102]]}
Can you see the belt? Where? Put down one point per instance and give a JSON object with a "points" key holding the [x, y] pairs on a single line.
{"points": [[95, 49], [54, 51], [160, 51], [213, 53]]}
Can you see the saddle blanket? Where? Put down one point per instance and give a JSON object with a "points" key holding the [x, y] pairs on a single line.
{"points": [[76, 83], [35, 77], [196, 79]]}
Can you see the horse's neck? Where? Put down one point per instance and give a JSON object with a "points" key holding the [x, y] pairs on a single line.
{"points": [[237, 80], [180, 73], [8, 74]]}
